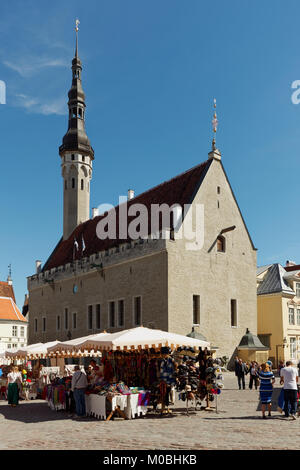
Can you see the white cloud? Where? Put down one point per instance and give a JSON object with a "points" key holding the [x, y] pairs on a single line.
{"points": [[27, 67], [35, 105]]}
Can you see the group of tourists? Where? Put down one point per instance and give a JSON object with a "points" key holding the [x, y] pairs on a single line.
{"points": [[263, 377]]}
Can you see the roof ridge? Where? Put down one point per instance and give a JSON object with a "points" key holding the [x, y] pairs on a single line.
{"points": [[148, 190]]}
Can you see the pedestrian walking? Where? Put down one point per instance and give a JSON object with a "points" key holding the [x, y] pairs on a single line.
{"points": [[241, 371], [289, 378], [267, 380], [79, 385], [270, 364], [14, 381], [253, 376], [280, 366]]}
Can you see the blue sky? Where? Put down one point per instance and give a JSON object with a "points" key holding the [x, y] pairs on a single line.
{"points": [[151, 71]]}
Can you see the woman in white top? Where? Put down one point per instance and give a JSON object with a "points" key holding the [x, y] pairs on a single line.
{"points": [[14, 379]]}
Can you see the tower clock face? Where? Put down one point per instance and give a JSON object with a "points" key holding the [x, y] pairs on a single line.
{"points": [[75, 289]]}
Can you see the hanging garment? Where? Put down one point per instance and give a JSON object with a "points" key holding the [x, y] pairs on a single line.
{"points": [[167, 370]]}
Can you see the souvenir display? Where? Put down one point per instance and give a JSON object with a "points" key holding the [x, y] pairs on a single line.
{"points": [[197, 378]]}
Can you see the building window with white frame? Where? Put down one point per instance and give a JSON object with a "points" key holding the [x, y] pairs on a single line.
{"points": [[22, 331], [298, 316], [293, 348], [137, 312], [14, 330], [298, 289], [291, 316]]}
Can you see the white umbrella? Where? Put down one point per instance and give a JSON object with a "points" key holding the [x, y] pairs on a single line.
{"points": [[140, 337]]}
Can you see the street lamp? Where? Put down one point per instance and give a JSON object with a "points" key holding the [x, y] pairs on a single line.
{"points": [[280, 346]]}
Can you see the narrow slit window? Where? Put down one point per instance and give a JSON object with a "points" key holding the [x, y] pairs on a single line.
{"points": [[112, 314], [233, 305], [121, 312], [137, 311], [196, 309], [66, 318], [90, 317], [98, 316]]}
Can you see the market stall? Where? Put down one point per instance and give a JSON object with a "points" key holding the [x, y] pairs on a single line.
{"points": [[144, 360], [138, 370]]}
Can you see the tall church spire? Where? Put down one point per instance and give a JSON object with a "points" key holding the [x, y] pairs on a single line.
{"points": [[76, 138], [76, 154]]}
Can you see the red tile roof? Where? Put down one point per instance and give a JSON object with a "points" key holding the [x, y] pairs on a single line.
{"points": [[9, 310], [179, 190], [7, 290], [296, 267]]}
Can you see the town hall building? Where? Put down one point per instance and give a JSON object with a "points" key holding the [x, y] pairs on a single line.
{"points": [[159, 279]]}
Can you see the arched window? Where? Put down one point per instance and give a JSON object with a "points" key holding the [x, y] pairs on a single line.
{"points": [[221, 245], [82, 184], [73, 183]]}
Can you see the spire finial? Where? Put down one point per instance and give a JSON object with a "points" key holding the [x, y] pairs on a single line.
{"points": [[77, 22], [215, 123], [9, 278]]}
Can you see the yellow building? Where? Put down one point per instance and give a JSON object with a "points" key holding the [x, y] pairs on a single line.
{"points": [[278, 310]]}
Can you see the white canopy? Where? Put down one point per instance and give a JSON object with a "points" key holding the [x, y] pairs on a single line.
{"points": [[72, 344], [140, 337], [38, 349]]}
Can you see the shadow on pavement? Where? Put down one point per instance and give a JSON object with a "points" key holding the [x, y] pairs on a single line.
{"points": [[31, 412]]}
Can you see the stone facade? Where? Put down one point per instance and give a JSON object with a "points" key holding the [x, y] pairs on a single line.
{"points": [[216, 277], [165, 275]]}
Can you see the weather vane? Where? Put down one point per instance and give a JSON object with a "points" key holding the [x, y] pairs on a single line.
{"points": [[215, 123], [77, 22]]}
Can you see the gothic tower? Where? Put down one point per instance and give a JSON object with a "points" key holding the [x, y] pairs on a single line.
{"points": [[77, 155]]}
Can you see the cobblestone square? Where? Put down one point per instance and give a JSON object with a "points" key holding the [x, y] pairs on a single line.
{"points": [[237, 425]]}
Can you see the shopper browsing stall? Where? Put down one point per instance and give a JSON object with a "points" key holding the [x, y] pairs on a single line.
{"points": [[79, 385], [14, 381]]}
